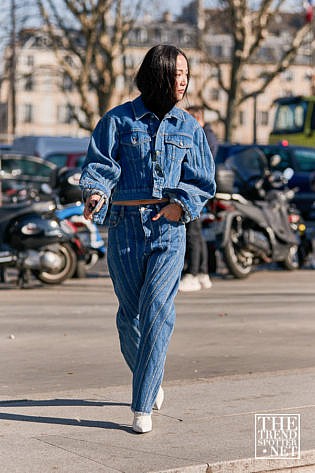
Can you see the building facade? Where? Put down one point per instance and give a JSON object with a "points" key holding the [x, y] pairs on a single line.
{"points": [[46, 98]]}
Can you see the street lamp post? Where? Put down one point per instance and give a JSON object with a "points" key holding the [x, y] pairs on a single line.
{"points": [[255, 118], [12, 71]]}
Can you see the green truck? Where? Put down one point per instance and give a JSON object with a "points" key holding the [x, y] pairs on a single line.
{"points": [[294, 121]]}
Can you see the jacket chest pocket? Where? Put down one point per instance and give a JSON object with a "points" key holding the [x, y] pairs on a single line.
{"points": [[135, 145], [177, 146]]}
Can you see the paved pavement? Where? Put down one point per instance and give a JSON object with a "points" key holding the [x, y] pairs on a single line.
{"points": [[56, 416]]}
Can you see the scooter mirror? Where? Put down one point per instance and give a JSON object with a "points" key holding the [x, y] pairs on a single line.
{"points": [[288, 173], [275, 160], [46, 189]]}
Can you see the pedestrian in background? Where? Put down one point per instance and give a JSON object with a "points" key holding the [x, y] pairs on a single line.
{"points": [[153, 160], [196, 272]]}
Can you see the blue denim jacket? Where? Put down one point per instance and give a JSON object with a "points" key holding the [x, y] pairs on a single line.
{"points": [[133, 155]]}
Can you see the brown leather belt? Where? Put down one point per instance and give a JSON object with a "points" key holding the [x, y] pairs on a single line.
{"points": [[140, 202]]}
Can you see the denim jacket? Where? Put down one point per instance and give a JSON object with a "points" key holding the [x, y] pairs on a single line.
{"points": [[133, 155]]}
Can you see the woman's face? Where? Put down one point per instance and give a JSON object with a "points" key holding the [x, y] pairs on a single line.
{"points": [[181, 78]]}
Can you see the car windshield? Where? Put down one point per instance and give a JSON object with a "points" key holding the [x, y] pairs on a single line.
{"points": [[305, 159], [290, 117], [19, 173], [59, 159], [25, 168]]}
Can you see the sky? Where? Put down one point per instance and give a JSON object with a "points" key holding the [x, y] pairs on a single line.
{"points": [[175, 6]]}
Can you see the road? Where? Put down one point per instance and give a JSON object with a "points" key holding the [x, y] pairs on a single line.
{"points": [[64, 337]]}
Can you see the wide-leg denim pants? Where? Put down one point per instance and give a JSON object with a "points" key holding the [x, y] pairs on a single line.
{"points": [[145, 261]]}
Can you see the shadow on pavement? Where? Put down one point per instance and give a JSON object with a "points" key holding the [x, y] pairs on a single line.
{"points": [[61, 420], [58, 402]]}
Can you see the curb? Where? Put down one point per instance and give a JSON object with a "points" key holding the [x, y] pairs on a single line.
{"points": [[306, 464]]}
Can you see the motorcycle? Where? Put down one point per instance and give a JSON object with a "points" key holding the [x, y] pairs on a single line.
{"points": [[252, 217], [69, 208], [65, 197], [34, 243]]}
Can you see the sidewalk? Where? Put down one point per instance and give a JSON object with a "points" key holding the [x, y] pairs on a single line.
{"points": [[203, 427]]}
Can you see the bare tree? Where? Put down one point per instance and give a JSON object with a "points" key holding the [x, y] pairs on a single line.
{"points": [[249, 27], [89, 38], [14, 16]]}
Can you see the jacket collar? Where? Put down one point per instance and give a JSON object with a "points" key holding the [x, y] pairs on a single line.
{"points": [[140, 110]]}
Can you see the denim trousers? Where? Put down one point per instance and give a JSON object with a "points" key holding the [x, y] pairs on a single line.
{"points": [[145, 261]]}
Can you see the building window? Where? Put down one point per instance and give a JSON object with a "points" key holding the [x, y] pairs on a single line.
{"points": [[181, 36], [286, 93], [263, 118], [64, 113], [214, 95], [69, 60], [129, 62], [28, 83], [266, 53], [140, 35], [67, 84], [27, 113], [217, 50], [29, 60], [157, 34], [241, 118], [287, 75], [214, 74]]}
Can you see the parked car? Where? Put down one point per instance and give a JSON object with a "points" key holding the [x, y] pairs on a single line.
{"points": [[4, 147], [61, 150], [19, 172], [297, 161]]}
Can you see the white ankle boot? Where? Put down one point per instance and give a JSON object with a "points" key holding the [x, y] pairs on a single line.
{"points": [[159, 399], [142, 423]]}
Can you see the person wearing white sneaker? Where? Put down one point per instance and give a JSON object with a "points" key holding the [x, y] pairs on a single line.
{"points": [[189, 283], [204, 281], [151, 159]]}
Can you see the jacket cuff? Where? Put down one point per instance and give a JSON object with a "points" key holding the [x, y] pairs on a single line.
{"points": [[185, 218]]}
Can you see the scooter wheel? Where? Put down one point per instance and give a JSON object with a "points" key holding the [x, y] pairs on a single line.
{"points": [[238, 262], [64, 270]]}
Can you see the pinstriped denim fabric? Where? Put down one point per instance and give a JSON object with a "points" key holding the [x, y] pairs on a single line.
{"points": [[145, 260]]}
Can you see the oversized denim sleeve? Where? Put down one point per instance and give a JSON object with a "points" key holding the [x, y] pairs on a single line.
{"points": [[197, 184], [101, 171]]}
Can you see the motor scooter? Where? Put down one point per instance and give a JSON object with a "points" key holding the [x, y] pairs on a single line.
{"points": [[34, 243], [253, 225]]}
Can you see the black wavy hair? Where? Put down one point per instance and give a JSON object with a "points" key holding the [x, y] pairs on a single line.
{"points": [[156, 78]]}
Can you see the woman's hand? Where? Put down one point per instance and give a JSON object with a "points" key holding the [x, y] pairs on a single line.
{"points": [[171, 212], [90, 205]]}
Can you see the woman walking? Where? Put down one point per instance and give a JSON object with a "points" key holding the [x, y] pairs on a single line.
{"points": [[152, 160]]}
